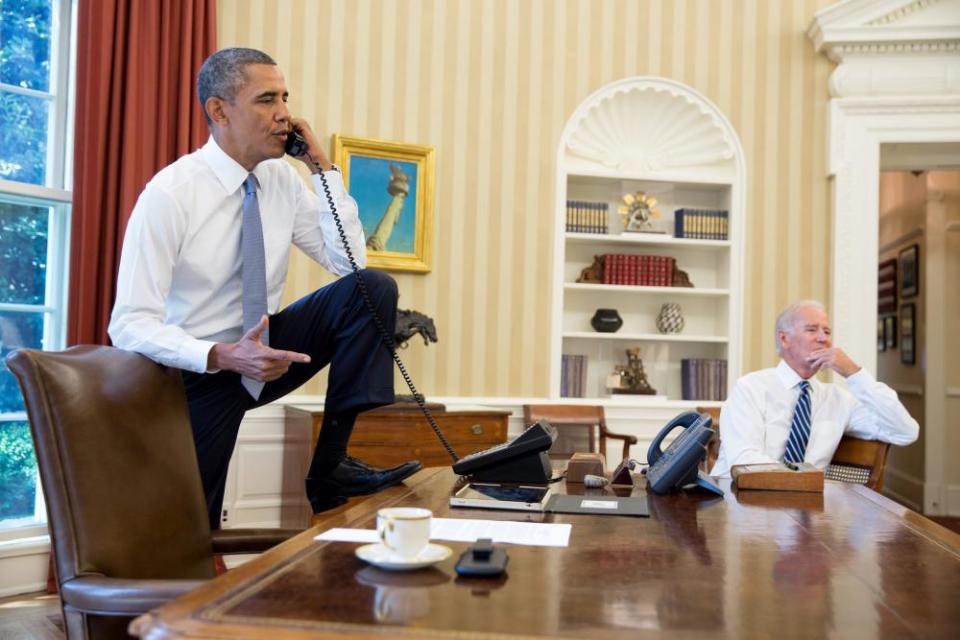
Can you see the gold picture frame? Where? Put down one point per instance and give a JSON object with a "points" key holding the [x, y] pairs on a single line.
{"points": [[392, 183]]}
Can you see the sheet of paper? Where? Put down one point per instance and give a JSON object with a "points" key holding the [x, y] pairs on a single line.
{"points": [[464, 530]]}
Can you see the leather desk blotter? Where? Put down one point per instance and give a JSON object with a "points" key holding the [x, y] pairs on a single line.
{"points": [[776, 476]]}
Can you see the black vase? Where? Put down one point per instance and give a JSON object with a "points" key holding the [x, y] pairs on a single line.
{"points": [[606, 321]]}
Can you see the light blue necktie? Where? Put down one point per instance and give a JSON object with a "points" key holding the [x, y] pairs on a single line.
{"points": [[800, 427], [254, 271]]}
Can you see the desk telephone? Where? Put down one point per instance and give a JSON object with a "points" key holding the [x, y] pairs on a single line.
{"points": [[678, 466], [523, 459]]}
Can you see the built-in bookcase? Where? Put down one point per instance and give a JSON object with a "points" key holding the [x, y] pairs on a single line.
{"points": [[661, 138]]}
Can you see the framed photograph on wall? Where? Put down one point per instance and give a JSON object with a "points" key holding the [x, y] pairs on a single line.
{"points": [[907, 337], [887, 286], [881, 340], [910, 271], [890, 331], [392, 183]]}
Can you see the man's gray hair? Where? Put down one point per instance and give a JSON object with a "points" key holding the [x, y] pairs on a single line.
{"points": [[222, 75], [787, 320]]}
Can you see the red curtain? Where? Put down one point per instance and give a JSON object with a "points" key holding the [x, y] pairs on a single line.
{"points": [[136, 112]]}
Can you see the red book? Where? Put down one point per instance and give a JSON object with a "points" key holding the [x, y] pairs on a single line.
{"points": [[608, 269]]}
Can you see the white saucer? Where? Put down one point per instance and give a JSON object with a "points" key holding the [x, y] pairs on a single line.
{"points": [[379, 556]]}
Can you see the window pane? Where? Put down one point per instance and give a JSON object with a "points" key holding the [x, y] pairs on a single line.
{"points": [[25, 43], [23, 138], [18, 471], [23, 252], [16, 330]]}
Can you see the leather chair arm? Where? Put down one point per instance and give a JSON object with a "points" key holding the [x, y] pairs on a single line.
{"points": [[98, 594], [227, 541]]}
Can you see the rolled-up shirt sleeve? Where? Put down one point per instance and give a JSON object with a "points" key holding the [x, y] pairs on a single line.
{"points": [[878, 413], [150, 247], [315, 230]]}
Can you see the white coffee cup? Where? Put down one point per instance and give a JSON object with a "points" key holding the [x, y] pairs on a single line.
{"points": [[405, 531]]}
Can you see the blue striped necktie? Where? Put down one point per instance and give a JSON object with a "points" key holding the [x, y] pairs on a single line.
{"points": [[800, 427], [253, 271]]}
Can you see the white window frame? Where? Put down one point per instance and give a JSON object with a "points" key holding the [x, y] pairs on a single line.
{"points": [[57, 195]]}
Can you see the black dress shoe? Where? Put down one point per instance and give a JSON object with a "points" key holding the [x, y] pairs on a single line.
{"points": [[354, 478]]}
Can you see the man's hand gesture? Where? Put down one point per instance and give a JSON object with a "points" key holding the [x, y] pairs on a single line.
{"points": [[833, 358], [251, 358]]}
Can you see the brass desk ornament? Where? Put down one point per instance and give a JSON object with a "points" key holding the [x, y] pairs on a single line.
{"points": [[630, 378]]}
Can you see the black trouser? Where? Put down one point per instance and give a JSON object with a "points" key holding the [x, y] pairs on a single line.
{"points": [[333, 326]]}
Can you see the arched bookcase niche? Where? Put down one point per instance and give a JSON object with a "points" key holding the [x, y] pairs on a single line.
{"points": [[662, 138]]}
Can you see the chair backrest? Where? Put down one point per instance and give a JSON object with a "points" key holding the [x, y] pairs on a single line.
{"points": [[117, 463], [860, 461], [589, 416]]}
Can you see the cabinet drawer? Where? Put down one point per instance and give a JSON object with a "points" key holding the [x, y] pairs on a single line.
{"points": [[387, 438], [416, 431]]}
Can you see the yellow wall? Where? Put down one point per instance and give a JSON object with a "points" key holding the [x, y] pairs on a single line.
{"points": [[490, 84]]}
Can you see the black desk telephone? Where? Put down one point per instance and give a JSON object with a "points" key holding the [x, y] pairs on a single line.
{"points": [[678, 466], [523, 459]]}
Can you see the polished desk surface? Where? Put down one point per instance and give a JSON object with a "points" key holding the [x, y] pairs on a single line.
{"points": [[847, 564]]}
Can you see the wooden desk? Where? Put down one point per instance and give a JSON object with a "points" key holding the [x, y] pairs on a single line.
{"points": [[847, 564], [394, 434]]}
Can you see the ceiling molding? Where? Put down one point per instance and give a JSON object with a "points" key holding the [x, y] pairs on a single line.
{"points": [[871, 27]]}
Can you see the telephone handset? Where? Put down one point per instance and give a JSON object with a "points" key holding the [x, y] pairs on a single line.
{"points": [[296, 145], [678, 466]]}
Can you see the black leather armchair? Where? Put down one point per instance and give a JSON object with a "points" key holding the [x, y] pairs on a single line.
{"points": [[126, 510]]}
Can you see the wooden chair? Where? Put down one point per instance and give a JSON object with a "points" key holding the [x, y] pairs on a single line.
{"points": [[855, 460], [589, 416], [859, 461]]}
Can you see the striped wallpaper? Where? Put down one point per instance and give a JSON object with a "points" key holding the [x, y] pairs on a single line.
{"points": [[490, 84]]}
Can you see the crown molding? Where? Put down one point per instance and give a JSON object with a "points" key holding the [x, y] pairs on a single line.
{"points": [[882, 27], [890, 47]]}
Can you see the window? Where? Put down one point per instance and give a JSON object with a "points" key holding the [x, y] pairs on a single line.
{"points": [[35, 149]]}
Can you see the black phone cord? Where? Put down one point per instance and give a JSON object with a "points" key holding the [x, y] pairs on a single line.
{"points": [[378, 321]]}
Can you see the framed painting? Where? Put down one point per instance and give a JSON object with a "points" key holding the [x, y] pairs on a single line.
{"points": [[890, 331], [887, 286], [392, 183], [908, 316], [910, 271]]}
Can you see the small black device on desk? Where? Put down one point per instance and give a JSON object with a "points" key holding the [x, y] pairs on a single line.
{"points": [[482, 559], [521, 460]]}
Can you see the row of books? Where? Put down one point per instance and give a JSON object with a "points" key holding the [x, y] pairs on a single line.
{"points": [[700, 224], [703, 379], [643, 271], [573, 376], [587, 217]]}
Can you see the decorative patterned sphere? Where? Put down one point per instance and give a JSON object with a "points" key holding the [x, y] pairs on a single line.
{"points": [[670, 319]]}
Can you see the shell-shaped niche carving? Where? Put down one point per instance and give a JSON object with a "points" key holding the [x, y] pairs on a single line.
{"points": [[648, 128]]}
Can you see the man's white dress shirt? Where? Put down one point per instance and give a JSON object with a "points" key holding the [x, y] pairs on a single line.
{"points": [[179, 287], [755, 419]]}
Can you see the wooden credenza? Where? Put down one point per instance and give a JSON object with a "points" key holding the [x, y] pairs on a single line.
{"points": [[396, 433]]}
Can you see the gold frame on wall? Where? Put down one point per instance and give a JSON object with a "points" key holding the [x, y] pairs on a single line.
{"points": [[385, 176]]}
